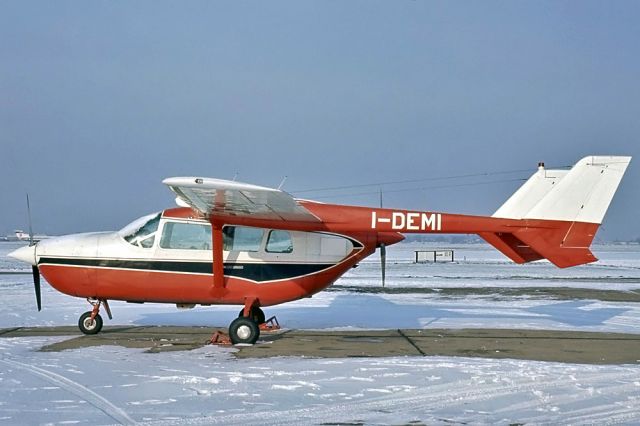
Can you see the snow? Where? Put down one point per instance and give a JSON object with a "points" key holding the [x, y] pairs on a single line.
{"points": [[106, 385], [209, 386]]}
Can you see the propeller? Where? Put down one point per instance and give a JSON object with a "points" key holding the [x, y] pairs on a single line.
{"points": [[383, 252], [34, 269], [36, 286]]}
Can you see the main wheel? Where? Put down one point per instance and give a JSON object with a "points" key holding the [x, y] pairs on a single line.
{"points": [[87, 326], [244, 330], [256, 314]]}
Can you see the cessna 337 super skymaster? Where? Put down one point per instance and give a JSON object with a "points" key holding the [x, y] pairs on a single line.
{"points": [[238, 244]]}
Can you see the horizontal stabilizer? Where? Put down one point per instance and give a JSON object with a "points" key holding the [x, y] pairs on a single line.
{"points": [[511, 247], [564, 244]]}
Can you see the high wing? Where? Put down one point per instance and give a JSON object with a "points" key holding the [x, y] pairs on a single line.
{"points": [[224, 198]]}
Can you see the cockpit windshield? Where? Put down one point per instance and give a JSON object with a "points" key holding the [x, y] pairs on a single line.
{"points": [[141, 232]]}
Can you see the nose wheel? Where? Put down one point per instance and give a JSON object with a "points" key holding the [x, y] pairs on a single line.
{"points": [[90, 325], [91, 322]]}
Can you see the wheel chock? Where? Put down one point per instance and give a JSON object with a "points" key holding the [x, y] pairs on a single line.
{"points": [[271, 324], [220, 338]]}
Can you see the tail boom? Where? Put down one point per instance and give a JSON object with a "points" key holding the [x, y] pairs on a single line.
{"points": [[555, 215], [564, 243]]}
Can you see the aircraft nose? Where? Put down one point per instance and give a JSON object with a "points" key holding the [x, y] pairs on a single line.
{"points": [[25, 254]]}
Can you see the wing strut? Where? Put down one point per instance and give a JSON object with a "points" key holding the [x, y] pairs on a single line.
{"points": [[218, 265]]}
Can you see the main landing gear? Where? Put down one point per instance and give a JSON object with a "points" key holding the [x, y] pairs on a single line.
{"points": [[246, 329], [91, 322]]}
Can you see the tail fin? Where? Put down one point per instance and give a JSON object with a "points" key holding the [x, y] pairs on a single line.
{"points": [[561, 211]]}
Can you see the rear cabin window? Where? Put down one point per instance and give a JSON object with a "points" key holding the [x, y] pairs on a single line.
{"points": [[240, 238], [186, 236], [279, 242]]}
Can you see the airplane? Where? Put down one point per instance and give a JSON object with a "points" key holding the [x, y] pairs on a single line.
{"points": [[234, 243], [20, 235]]}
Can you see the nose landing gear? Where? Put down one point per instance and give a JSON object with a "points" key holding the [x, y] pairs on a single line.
{"points": [[91, 322]]}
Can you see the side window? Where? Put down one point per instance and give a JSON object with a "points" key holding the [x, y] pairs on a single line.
{"points": [[147, 242], [240, 238], [279, 242], [186, 236]]}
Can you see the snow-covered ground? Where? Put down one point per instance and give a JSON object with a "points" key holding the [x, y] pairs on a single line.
{"points": [[480, 265], [104, 385], [206, 386]]}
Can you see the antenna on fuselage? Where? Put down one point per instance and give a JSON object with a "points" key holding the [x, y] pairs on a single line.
{"points": [[284, 179], [29, 219]]}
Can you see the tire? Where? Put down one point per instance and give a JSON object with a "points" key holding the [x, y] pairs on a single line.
{"points": [[244, 330], [87, 326], [257, 315]]}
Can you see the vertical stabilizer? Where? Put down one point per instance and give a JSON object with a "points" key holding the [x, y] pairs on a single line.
{"points": [[560, 212], [584, 194], [530, 194]]}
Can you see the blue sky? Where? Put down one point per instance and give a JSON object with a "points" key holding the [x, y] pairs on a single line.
{"points": [[99, 101]]}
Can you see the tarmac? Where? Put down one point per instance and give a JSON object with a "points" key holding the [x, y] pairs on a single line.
{"points": [[536, 345]]}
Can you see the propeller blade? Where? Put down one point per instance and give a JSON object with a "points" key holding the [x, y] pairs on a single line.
{"points": [[36, 286], [383, 261]]}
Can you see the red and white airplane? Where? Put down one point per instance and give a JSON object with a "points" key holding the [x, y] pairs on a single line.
{"points": [[238, 244]]}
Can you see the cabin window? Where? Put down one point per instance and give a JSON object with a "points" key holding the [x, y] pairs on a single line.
{"points": [[142, 232], [241, 238], [279, 242], [186, 236]]}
